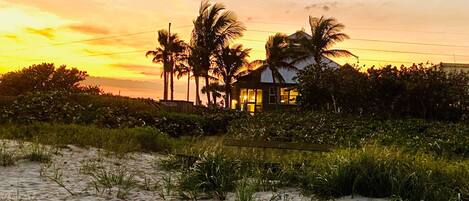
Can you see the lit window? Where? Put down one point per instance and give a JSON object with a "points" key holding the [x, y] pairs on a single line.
{"points": [[244, 95], [288, 96], [234, 103]]}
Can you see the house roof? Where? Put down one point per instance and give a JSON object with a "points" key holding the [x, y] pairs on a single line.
{"points": [[453, 65], [264, 75]]}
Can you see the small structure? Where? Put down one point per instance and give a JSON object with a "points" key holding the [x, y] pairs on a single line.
{"points": [[451, 67], [177, 106], [256, 92]]}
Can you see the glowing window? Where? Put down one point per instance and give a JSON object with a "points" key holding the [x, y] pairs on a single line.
{"points": [[288, 96]]}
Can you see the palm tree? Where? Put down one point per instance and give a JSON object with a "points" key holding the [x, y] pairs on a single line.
{"points": [[325, 33], [213, 88], [278, 54], [184, 70], [214, 27], [195, 63], [168, 54], [232, 63]]}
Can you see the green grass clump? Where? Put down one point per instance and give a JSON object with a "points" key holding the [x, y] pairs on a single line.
{"points": [[105, 179], [372, 171], [116, 140], [38, 153], [212, 174], [381, 172], [6, 158], [245, 190]]}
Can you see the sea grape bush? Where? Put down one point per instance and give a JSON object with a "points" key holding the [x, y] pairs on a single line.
{"points": [[338, 130], [417, 91]]}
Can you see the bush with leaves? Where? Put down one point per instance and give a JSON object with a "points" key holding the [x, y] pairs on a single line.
{"points": [[417, 91], [441, 138], [218, 119], [44, 77]]}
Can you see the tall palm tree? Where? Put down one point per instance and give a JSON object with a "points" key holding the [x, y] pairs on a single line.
{"points": [[214, 27], [232, 63], [279, 55], [168, 53], [195, 64], [325, 33], [184, 70]]}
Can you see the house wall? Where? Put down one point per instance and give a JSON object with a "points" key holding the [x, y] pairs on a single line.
{"points": [[235, 95]]}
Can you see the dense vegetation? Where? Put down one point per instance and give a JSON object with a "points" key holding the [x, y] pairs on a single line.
{"points": [[111, 112], [416, 91], [44, 77], [373, 171], [336, 130]]}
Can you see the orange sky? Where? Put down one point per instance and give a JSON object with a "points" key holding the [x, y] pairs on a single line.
{"points": [[35, 31]]}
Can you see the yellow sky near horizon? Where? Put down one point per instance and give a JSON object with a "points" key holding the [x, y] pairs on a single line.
{"points": [[382, 32]]}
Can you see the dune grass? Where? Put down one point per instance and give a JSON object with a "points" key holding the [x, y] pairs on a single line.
{"points": [[115, 140], [6, 157], [374, 171]]}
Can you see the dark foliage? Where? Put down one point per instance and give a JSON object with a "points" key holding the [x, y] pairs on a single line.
{"points": [[112, 112], [44, 77], [415, 91], [440, 138], [218, 119]]}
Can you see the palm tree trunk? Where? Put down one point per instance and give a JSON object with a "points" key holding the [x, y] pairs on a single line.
{"points": [[208, 92], [165, 85], [227, 96], [172, 82], [197, 96], [188, 84]]}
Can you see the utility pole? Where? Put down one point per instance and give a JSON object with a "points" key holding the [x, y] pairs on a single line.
{"points": [[171, 73]]}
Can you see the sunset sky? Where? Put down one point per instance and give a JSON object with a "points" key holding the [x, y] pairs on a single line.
{"points": [[108, 38]]}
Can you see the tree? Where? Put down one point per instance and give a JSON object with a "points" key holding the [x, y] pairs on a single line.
{"points": [[325, 33], [167, 54], [44, 77], [214, 27], [184, 70], [214, 89], [231, 64], [279, 56], [195, 64]]}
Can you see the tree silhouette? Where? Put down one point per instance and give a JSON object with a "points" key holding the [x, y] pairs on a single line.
{"points": [[231, 64], [167, 54], [279, 55], [214, 27], [325, 33]]}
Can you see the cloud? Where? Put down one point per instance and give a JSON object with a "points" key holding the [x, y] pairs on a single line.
{"points": [[11, 36], [325, 6], [46, 32], [136, 67], [88, 29]]}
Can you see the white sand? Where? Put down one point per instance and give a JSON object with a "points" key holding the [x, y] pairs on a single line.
{"points": [[24, 181]]}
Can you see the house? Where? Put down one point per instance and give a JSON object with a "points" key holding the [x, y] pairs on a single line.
{"points": [[451, 67], [256, 92]]}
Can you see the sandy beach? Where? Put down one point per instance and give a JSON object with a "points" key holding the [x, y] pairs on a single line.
{"points": [[63, 178]]}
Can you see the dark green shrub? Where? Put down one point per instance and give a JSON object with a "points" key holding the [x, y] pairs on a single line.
{"points": [[440, 138], [178, 124], [218, 119]]}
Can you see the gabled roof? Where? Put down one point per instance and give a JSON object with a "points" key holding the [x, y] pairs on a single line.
{"points": [[264, 75], [453, 65]]}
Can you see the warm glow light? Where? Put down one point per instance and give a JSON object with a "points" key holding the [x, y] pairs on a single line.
{"points": [[31, 30]]}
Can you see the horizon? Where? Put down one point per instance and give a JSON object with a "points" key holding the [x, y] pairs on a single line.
{"points": [[109, 39]]}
